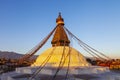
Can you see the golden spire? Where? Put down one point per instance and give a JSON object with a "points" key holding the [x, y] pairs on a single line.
{"points": [[60, 37], [60, 20]]}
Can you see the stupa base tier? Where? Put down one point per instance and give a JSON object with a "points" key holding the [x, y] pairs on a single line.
{"points": [[52, 70], [76, 73]]}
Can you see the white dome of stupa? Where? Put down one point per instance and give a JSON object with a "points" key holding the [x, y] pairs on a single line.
{"points": [[56, 53]]}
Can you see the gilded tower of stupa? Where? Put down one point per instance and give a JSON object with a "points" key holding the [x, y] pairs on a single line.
{"points": [[60, 37]]}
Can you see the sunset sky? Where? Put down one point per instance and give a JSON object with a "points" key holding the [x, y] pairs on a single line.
{"points": [[24, 23]]}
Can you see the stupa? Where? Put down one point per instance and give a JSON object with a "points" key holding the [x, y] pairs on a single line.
{"points": [[61, 48], [61, 62]]}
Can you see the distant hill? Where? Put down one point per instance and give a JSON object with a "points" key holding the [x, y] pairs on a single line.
{"points": [[11, 55]]}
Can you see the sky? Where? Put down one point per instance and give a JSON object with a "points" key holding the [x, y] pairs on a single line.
{"points": [[24, 23]]}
